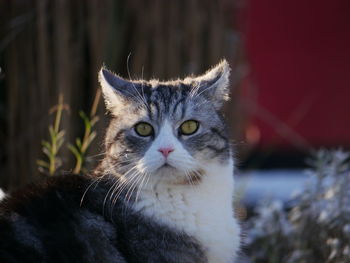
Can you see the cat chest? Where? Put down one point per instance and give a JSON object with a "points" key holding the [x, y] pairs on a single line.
{"points": [[208, 220]]}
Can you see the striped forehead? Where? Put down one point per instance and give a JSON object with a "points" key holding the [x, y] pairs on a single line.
{"points": [[167, 101]]}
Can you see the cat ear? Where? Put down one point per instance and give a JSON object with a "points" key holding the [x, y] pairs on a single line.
{"points": [[115, 89], [214, 84]]}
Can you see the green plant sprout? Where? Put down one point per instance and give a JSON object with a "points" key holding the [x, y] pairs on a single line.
{"points": [[79, 149], [52, 147], [81, 145]]}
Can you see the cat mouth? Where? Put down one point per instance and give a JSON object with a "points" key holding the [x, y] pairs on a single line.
{"points": [[167, 165]]}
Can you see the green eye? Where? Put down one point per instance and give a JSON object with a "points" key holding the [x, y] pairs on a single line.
{"points": [[144, 129], [189, 127]]}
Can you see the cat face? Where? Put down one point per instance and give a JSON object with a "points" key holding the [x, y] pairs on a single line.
{"points": [[166, 130]]}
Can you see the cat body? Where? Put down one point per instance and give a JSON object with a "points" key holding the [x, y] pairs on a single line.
{"points": [[163, 192], [49, 222]]}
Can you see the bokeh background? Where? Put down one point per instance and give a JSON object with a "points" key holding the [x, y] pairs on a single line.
{"points": [[290, 71]]}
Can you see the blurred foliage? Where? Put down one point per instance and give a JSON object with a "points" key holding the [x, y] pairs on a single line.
{"points": [[79, 149], [51, 148], [317, 226], [81, 145]]}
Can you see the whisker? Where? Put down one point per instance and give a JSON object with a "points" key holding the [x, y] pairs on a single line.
{"points": [[126, 182], [195, 90], [105, 199], [120, 188], [132, 187], [204, 90], [141, 186], [96, 155], [111, 168], [143, 100], [119, 183], [189, 178], [87, 189]]}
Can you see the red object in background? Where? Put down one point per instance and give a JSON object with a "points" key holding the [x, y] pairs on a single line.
{"points": [[299, 56]]}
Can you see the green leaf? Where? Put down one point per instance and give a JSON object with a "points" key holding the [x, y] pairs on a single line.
{"points": [[86, 120], [83, 115], [78, 142], [94, 120], [60, 134], [46, 145], [52, 132], [47, 153], [59, 143], [92, 137], [43, 164], [74, 150]]}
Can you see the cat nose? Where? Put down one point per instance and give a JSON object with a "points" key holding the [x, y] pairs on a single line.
{"points": [[166, 150]]}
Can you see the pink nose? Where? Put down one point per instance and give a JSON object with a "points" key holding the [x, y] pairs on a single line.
{"points": [[166, 151]]}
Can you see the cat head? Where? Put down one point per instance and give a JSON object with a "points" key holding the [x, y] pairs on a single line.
{"points": [[168, 131]]}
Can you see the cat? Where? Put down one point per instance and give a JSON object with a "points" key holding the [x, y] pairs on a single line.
{"points": [[162, 193]]}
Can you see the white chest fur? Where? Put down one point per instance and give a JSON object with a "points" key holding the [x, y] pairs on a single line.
{"points": [[203, 211]]}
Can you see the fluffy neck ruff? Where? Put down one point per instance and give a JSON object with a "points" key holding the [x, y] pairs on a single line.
{"points": [[203, 210]]}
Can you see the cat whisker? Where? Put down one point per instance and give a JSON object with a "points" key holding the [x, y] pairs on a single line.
{"points": [[122, 158], [204, 90], [122, 186], [142, 98], [194, 90], [117, 191], [193, 176], [96, 155], [145, 179], [111, 168], [105, 199], [112, 188], [133, 186], [94, 181], [140, 184], [143, 92], [189, 178]]}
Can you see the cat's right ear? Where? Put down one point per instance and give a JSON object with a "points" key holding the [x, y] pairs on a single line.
{"points": [[115, 89]]}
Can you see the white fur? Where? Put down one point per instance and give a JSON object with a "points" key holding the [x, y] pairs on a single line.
{"points": [[2, 195], [112, 100], [204, 210]]}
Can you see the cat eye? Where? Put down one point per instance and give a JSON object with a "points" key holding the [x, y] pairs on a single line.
{"points": [[189, 127], [144, 129]]}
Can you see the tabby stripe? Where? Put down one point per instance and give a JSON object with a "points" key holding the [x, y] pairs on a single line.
{"points": [[217, 132], [177, 104], [156, 104]]}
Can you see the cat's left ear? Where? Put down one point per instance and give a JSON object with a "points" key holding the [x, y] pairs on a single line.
{"points": [[214, 84]]}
